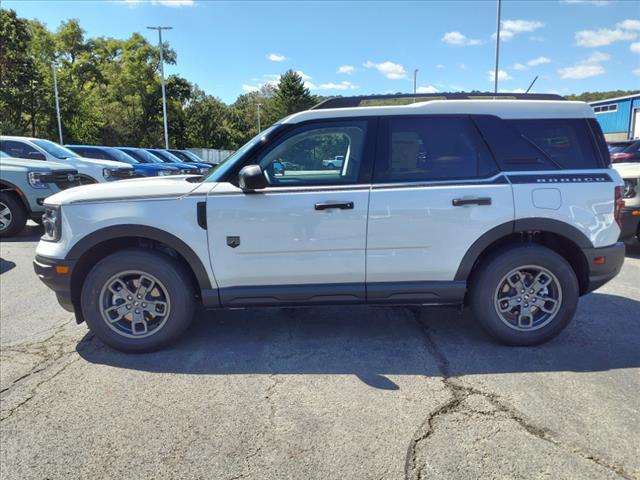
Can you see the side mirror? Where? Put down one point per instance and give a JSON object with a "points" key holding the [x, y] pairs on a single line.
{"points": [[36, 156], [251, 177]]}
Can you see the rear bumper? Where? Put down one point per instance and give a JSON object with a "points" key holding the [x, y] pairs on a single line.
{"points": [[57, 279], [604, 264], [630, 218]]}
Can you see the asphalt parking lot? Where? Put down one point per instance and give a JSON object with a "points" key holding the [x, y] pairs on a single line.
{"points": [[330, 393]]}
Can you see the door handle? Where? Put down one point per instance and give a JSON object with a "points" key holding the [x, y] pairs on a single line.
{"points": [[460, 202], [340, 205]]}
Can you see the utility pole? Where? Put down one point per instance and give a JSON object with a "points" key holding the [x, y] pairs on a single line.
{"points": [[259, 105], [55, 91], [164, 98], [495, 80], [415, 83]]}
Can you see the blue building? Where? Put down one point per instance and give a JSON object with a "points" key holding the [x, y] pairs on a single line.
{"points": [[619, 117]]}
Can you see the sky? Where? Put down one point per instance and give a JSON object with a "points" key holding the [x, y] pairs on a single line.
{"points": [[369, 47]]}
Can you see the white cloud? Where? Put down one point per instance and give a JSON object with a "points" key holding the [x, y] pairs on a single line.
{"points": [[440, 66], [502, 75], [538, 61], [519, 26], [578, 72], [164, 3], [303, 75], [346, 69], [629, 24], [427, 89], [276, 57], [505, 35], [635, 47], [345, 85], [250, 88], [393, 71], [636, 71], [459, 39], [602, 37], [589, 67], [519, 66], [597, 57]]}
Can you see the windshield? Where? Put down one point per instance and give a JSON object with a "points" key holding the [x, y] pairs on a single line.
{"points": [[3, 155], [224, 166], [120, 156], [618, 147], [54, 149], [166, 156], [144, 156], [192, 156]]}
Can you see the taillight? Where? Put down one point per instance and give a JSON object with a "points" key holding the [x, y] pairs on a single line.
{"points": [[618, 205]]}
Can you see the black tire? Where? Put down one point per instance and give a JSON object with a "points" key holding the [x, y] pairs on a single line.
{"points": [[175, 280], [489, 275], [18, 215]]}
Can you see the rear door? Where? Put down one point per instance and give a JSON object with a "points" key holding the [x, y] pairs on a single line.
{"points": [[436, 190]]}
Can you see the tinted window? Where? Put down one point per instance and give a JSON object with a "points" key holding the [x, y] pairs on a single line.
{"points": [[432, 148], [566, 142], [18, 149], [307, 155], [54, 149]]}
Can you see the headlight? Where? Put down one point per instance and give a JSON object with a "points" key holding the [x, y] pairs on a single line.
{"points": [[107, 172], [51, 223], [629, 190], [203, 170], [35, 181], [164, 173], [186, 170]]}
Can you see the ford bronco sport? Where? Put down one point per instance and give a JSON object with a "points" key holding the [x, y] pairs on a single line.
{"points": [[508, 205]]}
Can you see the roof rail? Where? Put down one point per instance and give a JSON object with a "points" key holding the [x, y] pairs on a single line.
{"points": [[346, 102]]}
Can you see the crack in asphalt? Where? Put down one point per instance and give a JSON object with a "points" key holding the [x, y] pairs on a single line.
{"points": [[51, 353], [459, 394]]}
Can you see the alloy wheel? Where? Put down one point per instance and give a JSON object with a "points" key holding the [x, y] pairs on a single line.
{"points": [[5, 216]]}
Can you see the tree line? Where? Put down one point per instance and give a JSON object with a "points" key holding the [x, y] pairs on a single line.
{"points": [[110, 92]]}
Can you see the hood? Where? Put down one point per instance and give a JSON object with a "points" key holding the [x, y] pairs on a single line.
{"points": [[101, 163], [153, 166], [628, 170], [34, 164], [130, 190]]}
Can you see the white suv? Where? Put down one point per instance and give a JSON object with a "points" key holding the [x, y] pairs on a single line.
{"points": [[90, 170], [506, 205]]}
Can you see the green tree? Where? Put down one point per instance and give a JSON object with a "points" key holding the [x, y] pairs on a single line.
{"points": [[291, 96]]}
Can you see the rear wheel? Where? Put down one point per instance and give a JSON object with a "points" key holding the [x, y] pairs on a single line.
{"points": [[524, 295], [137, 300], [13, 215]]}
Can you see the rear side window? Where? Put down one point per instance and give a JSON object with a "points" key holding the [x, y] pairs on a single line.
{"points": [[542, 144], [567, 142], [430, 149]]}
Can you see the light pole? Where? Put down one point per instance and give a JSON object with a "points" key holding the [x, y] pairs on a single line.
{"points": [[55, 92], [259, 105], [164, 98], [495, 79], [415, 83]]}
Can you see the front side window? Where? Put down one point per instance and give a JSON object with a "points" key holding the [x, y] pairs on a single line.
{"points": [[317, 154], [18, 149], [432, 149]]}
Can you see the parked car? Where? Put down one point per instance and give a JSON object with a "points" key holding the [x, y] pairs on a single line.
{"points": [[188, 156], [90, 171], [630, 214], [444, 202], [627, 151], [143, 156], [110, 153], [24, 186], [334, 162], [168, 157]]}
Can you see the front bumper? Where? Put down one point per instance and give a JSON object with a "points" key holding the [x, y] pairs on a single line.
{"points": [[604, 264], [56, 274], [630, 218]]}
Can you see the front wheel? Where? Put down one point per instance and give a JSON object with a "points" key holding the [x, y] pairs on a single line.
{"points": [[137, 300], [13, 215], [524, 295]]}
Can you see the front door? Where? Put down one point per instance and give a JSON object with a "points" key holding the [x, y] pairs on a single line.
{"points": [[302, 239], [435, 192]]}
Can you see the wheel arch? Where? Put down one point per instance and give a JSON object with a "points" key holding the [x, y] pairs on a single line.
{"points": [[564, 239], [9, 188], [95, 246]]}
